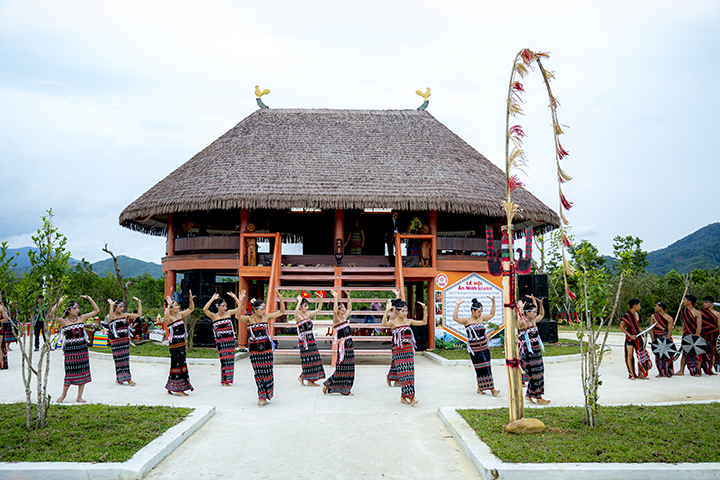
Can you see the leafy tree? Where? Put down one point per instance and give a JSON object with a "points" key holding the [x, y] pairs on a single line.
{"points": [[631, 257]]}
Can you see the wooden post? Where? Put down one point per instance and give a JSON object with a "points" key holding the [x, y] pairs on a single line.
{"points": [[431, 314], [515, 396], [242, 328], [339, 226], [400, 278], [171, 275], [432, 214]]}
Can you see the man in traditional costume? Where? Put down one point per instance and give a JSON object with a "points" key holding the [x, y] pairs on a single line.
{"points": [[692, 323], [709, 332], [663, 325], [630, 325]]}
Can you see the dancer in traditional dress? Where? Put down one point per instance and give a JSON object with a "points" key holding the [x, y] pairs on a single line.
{"points": [[312, 367], [119, 338], [692, 325], [6, 326], [477, 342], [3, 346], [179, 377], [630, 325], [531, 348], [709, 332], [403, 346], [75, 345], [663, 326], [356, 239], [224, 332], [260, 347], [341, 381]]}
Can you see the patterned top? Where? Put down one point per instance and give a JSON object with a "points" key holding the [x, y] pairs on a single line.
{"points": [[119, 328], [73, 331], [476, 337], [224, 325], [530, 341], [305, 330], [402, 336], [342, 335], [177, 334]]}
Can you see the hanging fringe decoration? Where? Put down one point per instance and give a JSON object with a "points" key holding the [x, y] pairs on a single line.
{"points": [[515, 159]]}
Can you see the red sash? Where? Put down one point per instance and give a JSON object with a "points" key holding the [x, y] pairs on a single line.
{"points": [[709, 322], [663, 325], [689, 322]]}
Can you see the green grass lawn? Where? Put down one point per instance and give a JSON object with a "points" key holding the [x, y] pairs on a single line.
{"points": [[84, 433], [627, 434], [151, 349], [565, 347]]}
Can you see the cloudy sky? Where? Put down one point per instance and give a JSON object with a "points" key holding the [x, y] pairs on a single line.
{"points": [[100, 100]]}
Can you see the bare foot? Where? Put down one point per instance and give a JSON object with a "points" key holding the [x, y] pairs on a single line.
{"points": [[659, 376], [349, 394], [80, 400], [679, 374], [310, 383], [404, 401], [529, 399], [412, 401], [262, 402], [643, 378], [481, 392], [131, 383], [396, 383], [495, 392], [325, 389], [118, 382], [388, 382], [301, 381], [182, 394], [542, 401], [60, 399]]}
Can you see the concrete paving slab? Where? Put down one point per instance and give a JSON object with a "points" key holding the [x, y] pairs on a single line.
{"points": [[303, 433]]}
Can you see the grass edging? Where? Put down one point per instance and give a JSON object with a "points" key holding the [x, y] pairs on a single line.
{"points": [[491, 467], [135, 468]]}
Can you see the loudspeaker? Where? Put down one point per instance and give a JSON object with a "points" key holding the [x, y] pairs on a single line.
{"points": [[548, 330], [536, 285]]}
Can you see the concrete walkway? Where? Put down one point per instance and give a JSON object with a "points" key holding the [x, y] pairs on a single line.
{"points": [[305, 434]]}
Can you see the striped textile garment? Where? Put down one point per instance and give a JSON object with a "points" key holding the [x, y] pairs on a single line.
{"points": [[643, 359], [689, 328], [260, 348], [119, 338], [312, 367], [225, 341], [179, 377], [342, 380], [3, 349], [664, 367], [709, 332], [403, 354], [477, 345], [8, 332], [531, 362], [75, 350]]}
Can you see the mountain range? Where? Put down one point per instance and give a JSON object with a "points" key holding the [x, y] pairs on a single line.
{"points": [[700, 249], [129, 267]]}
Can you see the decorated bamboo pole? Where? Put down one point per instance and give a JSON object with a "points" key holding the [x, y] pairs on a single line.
{"points": [[515, 159]]}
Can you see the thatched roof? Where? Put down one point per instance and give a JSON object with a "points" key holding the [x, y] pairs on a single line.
{"points": [[327, 159]]}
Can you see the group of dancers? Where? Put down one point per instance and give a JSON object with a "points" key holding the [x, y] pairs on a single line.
{"points": [[261, 346], [703, 323]]}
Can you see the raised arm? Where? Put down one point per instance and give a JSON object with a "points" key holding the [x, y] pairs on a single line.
{"points": [[425, 316], [111, 312], [318, 309], [490, 315], [191, 305], [273, 315], [94, 311], [238, 310], [52, 314], [388, 309], [539, 305], [135, 315], [206, 308], [456, 312]]}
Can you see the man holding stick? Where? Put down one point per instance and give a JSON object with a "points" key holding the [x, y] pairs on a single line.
{"points": [[692, 322], [709, 332]]}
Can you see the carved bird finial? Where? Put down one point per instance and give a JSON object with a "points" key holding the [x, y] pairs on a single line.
{"points": [[426, 96], [259, 94]]}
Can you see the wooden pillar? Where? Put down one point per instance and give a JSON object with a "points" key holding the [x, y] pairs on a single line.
{"points": [[170, 276], [339, 226], [431, 314], [411, 300], [242, 327], [432, 221]]}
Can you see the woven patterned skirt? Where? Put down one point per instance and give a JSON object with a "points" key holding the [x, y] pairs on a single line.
{"points": [[179, 378], [534, 374], [77, 362], [225, 341], [9, 335], [404, 361], [312, 367], [121, 355], [664, 367], [706, 358], [693, 364], [481, 362], [4, 365], [261, 357], [341, 381]]}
